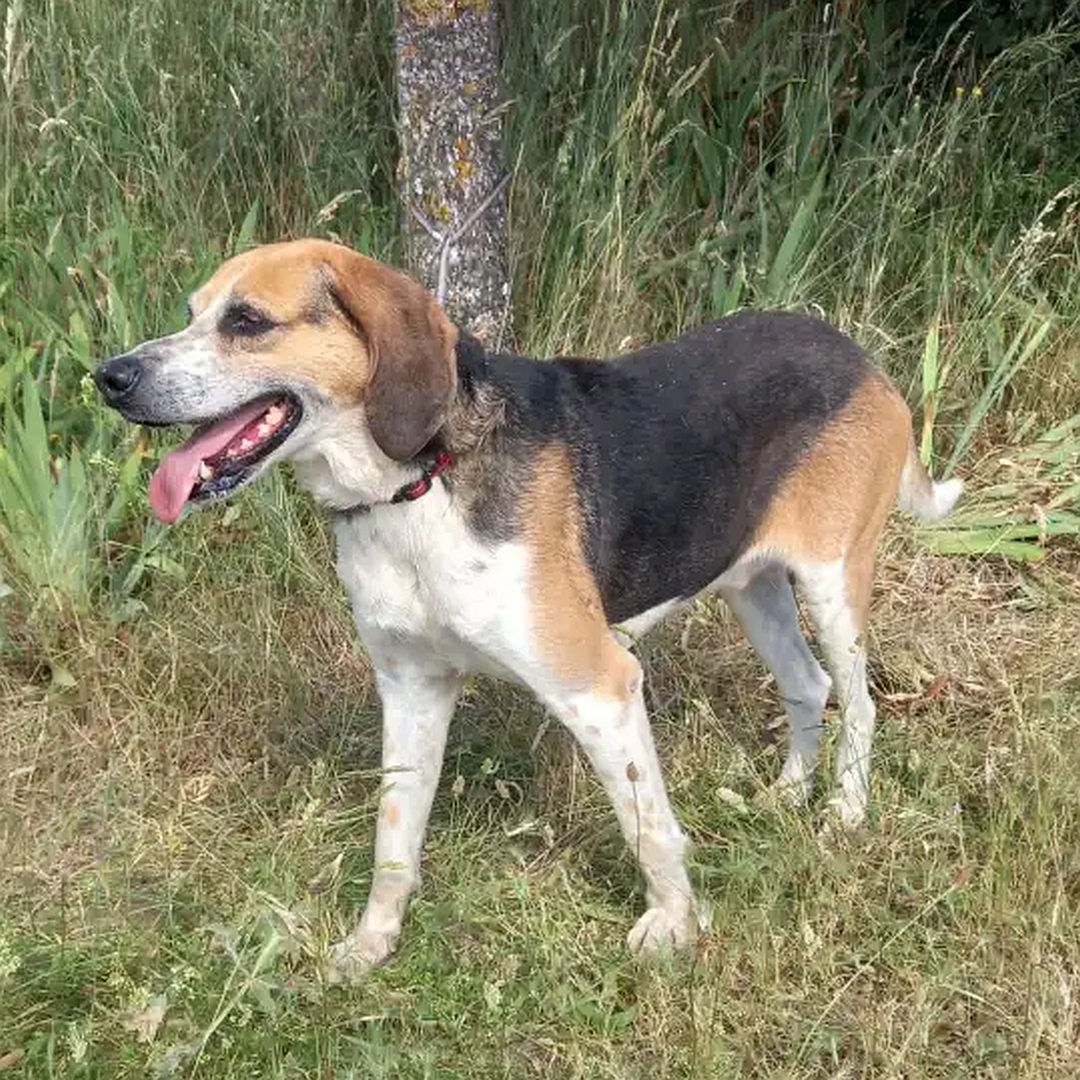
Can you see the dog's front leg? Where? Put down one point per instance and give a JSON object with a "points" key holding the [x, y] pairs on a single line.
{"points": [[418, 699]]}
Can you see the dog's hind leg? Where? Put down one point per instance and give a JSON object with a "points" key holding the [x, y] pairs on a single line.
{"points": [[837, 596], [765, 608], [612, 726]]}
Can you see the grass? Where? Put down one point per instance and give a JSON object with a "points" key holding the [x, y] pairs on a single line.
{"points": [[189, 739]]}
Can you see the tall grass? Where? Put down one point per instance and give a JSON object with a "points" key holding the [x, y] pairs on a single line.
{"points": [[139, 145], [672, 162], [181, 770], [674, 165]]}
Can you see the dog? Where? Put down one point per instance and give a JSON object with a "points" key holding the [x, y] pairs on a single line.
{"points": [[529, 519]]}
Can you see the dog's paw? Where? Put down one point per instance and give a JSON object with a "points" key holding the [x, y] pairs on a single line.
{"points": [[662, 929], [354, 956], [784, 794], [843, 824], [846, 810]]}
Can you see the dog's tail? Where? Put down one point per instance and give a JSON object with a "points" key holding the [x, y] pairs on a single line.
{"points": [[918, 494]]}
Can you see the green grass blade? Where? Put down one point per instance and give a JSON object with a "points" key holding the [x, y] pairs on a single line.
{"points": [[778, 280], [930, 389], [245, 238], [1023, 346]]}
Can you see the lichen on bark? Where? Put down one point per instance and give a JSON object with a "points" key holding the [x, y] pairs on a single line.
{"points": [[450, 131]]}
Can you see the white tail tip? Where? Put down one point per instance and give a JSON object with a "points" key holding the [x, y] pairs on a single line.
{"points": [[923, 497], [946, 492]]}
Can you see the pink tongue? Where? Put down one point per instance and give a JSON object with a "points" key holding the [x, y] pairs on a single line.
{"points": [[172, 482]]}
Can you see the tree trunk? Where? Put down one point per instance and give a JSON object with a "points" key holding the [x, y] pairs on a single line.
{"points": [[450, 170]]}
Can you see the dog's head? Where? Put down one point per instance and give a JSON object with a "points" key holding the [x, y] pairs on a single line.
{"points": [[286, 341]]}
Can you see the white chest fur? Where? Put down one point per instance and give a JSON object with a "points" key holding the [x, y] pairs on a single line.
{"points": [[417, 575]]}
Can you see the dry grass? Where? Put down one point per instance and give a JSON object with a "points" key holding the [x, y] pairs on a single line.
{"points": [[190, 823]]}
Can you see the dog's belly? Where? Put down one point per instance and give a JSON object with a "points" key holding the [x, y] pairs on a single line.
{"points": [[737, 576]]}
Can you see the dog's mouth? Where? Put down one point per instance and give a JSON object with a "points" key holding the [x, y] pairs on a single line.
{"points": [[222, 454]]}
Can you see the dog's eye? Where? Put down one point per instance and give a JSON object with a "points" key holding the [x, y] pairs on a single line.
{"points": [[243, 321]]}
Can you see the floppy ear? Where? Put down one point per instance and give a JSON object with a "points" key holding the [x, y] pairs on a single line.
{"points": [[411, 342]]}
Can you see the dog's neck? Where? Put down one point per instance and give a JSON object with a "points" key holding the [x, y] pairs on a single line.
{"points": [[344, 467], [477, 407], [346, 471]]}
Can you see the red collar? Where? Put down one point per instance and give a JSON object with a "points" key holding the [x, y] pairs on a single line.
{"points": [[411, 491]]}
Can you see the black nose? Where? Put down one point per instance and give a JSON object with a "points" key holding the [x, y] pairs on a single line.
{"points": [[117, 377]]}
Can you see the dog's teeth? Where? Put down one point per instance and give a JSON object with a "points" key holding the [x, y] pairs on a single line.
{"points": [[205, 472], [274, 415], [263, 430]]}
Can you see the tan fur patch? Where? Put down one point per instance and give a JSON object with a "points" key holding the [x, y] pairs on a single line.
{"points": [[276, 277], [834, 504], [209, 293], [291, 283], [568, 617], [329, 356]]}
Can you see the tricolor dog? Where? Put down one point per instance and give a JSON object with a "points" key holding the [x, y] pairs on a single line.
{"points": [[526, 519]]}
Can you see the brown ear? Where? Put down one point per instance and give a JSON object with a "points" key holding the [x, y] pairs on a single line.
{"points": [[412, 352]]}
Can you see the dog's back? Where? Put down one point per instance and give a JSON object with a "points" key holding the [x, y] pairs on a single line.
{"points": [[679, 449]]}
